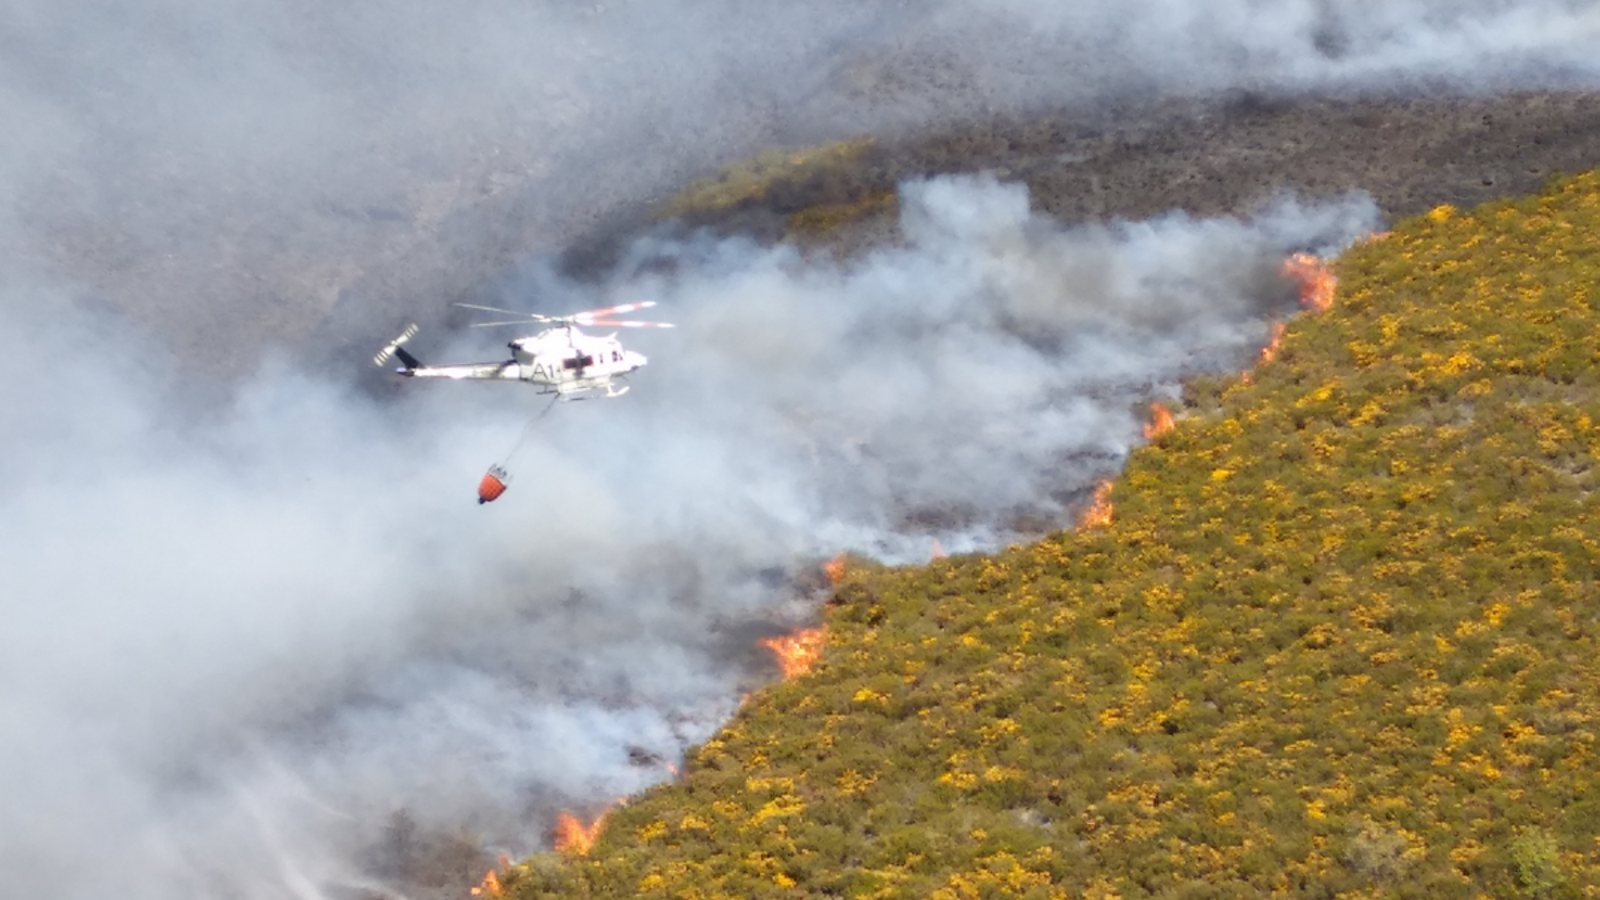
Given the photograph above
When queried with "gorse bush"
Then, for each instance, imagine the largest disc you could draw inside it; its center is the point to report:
(784, 181)
(1338, 639)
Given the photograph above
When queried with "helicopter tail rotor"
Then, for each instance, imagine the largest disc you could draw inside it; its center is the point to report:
(394, 349)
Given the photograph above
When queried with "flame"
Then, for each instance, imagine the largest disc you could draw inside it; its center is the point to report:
(1315, 279)
(799, 651)
(1160, 421)
(936, 551)
(490, 886)
(1270, 351)
(573, 837)
(1098, 515)
(834, 569)
(1317, 285)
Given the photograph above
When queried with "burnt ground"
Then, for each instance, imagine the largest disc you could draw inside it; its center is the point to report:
(1409, 154)
(1223, 156)
(332, 301)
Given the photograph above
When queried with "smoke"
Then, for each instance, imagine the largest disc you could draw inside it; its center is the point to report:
(237, 637)
(1173, 44)
(231, 175)
(235, 647)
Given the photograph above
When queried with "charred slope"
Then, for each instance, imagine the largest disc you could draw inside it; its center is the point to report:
(330, 281)
(1410, 153)
(1135, 159)
(1339, 635)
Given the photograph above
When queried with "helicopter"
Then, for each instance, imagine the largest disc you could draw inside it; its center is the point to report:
(561, 360)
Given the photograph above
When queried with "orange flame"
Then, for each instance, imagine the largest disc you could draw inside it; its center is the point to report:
(936, 551)
(1270, 351)
(1315, 279)
(490, 886)
(1160, 421)
(834, 569)
(1317, 285)
(1098, 515)
(799, 651)
(573, 837)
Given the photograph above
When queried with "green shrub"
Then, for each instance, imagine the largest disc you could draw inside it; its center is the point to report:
(1338, 635)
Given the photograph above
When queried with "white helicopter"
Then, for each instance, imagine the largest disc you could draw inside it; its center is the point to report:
(561, 360)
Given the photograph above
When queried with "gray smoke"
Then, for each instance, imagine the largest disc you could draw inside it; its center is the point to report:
(236, 637)
(235, 646)
(230, 174)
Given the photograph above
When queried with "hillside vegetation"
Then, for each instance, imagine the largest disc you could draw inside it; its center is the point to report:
(1338, 639)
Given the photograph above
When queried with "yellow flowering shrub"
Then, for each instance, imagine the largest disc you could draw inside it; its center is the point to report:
(1339, 638)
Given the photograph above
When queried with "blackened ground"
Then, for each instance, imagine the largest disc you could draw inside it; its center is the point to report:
(1410, 154)
(1129, 159)
(1222, 156)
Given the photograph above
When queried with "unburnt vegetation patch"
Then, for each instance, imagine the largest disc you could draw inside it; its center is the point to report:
(1337, 638)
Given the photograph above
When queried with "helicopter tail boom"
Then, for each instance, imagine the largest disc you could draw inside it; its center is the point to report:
(490, 371)
(413, 367)
(406, 359)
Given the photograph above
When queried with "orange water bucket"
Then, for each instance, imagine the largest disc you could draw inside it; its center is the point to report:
(493, 484)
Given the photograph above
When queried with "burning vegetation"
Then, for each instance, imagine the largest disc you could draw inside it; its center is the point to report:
(574, 838)
(1316, 285)
(1315, 279)
(834, 569)
(798, 651)
(1098, 515)
(1270, 351)
(492, 884)
(1283, 673)
(1160, 422)
(489, 886)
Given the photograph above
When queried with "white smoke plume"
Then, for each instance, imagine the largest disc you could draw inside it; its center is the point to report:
(230, 173)
(237, 636)
(234, 646)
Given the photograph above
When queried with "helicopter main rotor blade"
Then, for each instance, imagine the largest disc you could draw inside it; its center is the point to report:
(510, 312)
(587, 318)
(611, 310)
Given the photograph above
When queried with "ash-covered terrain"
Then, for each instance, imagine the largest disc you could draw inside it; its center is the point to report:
(258, 639)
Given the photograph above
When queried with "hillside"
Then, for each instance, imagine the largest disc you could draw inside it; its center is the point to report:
(1217, 156)
(1338, 638)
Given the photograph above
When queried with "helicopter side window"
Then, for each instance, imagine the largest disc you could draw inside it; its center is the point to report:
(616, 356)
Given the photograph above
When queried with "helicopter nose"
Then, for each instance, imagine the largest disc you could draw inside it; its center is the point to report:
(636, 359)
